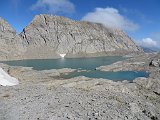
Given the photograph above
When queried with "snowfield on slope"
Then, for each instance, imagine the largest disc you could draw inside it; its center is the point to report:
(7, 80)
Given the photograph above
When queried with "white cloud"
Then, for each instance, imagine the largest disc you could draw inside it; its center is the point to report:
(54, 6)
(148, 42)
(110, 17)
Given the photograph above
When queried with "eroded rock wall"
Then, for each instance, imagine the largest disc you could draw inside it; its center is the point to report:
(49, 36)
(10, 43)
(58, 35)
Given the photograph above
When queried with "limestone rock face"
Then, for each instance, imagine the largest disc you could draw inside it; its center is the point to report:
(10, 43)
(53, 35)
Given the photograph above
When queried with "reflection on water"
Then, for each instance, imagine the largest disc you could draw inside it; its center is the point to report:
(75, 63)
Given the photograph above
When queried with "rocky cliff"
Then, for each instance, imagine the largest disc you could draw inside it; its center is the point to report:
(49, 36)
(58, 35)
(10, 43)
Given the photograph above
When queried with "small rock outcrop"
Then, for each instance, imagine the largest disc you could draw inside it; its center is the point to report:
(155, 62)
(54, 35)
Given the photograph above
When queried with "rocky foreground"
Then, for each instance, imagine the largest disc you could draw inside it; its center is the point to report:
(44, 95)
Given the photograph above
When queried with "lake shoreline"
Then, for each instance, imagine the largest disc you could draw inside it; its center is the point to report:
(80, 55)
(87, 65)
(42, 96)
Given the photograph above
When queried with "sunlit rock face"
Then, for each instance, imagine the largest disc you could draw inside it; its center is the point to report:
(49, 36)
(10, 43)
(53, 35)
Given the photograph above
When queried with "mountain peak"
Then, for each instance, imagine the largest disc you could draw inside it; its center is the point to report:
(49, 36)
(5, 26)
(60, 35)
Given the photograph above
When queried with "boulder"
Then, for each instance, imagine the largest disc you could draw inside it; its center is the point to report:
(155, 63)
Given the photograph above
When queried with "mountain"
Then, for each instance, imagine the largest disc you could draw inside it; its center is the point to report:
(10, 43)
(147, 50)
(49, 36)
(58, 35)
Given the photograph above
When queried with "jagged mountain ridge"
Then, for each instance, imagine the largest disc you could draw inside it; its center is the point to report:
(48, 36)
(10, 43)
(67, 36)
(148, 50)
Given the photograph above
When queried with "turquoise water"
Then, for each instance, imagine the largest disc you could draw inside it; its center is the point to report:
(116, 76)
(88, 64)
(75, 63)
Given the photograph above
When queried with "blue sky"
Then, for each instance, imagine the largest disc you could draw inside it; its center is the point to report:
(139, 18)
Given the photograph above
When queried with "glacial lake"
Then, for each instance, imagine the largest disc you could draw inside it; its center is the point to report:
(88, 64)
(116, 76)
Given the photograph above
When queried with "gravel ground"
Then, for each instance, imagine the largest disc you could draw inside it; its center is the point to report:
(42, 96)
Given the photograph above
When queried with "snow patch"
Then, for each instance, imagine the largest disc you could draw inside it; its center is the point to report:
(62, 55)
(7, 80)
